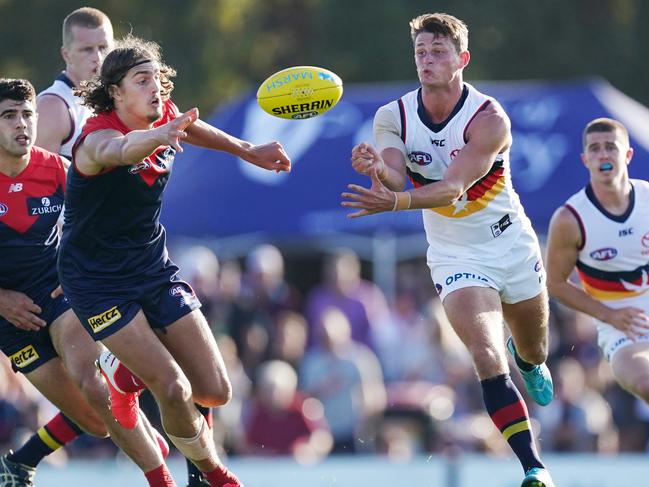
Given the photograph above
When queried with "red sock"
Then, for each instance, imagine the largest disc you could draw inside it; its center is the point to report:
(127, 380)
(221, 477)
(160, 477)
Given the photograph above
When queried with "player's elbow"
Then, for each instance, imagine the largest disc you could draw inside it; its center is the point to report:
(554, 287)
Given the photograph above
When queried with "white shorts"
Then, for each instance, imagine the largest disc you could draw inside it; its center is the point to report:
(517, 275)
(611, 340)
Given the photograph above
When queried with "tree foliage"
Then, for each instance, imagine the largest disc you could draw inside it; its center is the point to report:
(224, 47)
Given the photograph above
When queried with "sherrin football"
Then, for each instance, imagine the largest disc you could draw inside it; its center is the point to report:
(300, 92)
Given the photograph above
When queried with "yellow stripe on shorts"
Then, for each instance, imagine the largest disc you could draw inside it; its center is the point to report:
(516, 428)
(48, 439)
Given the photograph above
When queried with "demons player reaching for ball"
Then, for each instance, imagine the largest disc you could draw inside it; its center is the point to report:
(114, 266)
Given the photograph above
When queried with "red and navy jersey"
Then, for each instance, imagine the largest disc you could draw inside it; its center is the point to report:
(112, 224)
(30, 205)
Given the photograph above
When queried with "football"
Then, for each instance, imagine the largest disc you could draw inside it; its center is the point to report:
(300, 92)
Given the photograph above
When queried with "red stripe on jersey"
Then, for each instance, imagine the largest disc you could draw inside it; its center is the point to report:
(476, 191)
(614, 284)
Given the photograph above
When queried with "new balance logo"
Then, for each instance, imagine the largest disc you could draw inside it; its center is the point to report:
(15, 187)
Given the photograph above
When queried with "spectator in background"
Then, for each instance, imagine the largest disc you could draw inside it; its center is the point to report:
(289, 344)
(282, 421)
(579, 418)
(361, 301)
(346, 376)
(264, 294)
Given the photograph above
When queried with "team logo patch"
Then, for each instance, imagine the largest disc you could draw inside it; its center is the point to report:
(24, 357)
(184, 292)
(3, 209)
(645, 237)
(44, 205)
(606, 253)
(104, 320)
(420, 158)
(500, 226)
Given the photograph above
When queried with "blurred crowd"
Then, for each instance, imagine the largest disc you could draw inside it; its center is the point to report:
(337, 369)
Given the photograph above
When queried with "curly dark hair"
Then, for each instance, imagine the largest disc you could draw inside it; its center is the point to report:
(16, 89)
(128, 53)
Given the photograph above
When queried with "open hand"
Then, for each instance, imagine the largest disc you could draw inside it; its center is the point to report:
(369, 201)
(171, 133)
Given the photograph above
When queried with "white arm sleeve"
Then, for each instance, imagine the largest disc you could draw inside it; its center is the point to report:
(387, 130)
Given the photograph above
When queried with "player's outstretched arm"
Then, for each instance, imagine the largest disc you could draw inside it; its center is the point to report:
(271, 156)
(108, 148)
(19, 310)
(564, 240)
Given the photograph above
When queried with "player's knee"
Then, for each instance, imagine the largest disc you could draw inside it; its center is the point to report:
(177, 390)
(215, 395)
(488, 360)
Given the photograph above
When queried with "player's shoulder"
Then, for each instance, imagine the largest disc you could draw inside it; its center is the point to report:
(640, 184)
(44, 158)
(566, 218)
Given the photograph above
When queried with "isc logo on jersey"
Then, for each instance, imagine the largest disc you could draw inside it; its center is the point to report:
(24, 357)
(105, 319)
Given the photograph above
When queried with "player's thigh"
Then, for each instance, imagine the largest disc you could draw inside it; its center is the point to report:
(630, 365)
(476, 316)
(193, 346)
(139, 349)
(75, 347)
(54, 382)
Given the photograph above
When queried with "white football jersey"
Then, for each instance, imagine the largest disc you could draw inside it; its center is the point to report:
(62, 88)
(613, 263)
(486, 221)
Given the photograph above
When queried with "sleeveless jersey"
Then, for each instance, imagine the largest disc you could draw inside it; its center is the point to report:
(30, 205)
(111, 227)
(613, 262)
(485, 222)
(63, 89)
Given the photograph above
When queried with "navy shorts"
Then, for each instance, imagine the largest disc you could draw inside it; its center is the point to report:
(28, 350)
(108, 307)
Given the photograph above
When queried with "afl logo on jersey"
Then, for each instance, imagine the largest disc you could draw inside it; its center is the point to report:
(3, 209)
(606, 253)
(420, 158)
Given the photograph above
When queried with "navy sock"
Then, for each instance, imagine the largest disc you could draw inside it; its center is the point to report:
(60, 431)
(509, 413)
